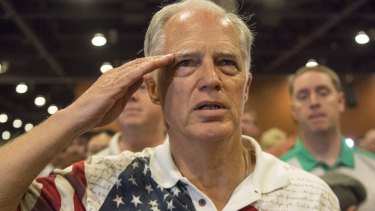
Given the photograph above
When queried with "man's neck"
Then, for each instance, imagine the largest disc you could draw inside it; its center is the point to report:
(324, 146)
(212, 171)
(136, 140)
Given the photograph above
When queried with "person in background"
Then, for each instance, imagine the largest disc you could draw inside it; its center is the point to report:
(368, 141)
(317, 101)
(99, 140)
(141, 125)
(74, 152)
(249, 124)
(350, 192)
(280, 149)
(200, 55)
(272, 137)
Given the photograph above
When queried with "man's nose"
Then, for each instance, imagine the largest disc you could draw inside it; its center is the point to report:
(209, 76)
(314, 100)
(135, 96)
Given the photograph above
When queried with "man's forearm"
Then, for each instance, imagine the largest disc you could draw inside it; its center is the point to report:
(23, 159)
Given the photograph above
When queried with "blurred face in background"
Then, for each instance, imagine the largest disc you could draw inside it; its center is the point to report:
(368, 141)
(249, 125)
(75, 152)
(140, 110)
(316, 104)
(98, 143)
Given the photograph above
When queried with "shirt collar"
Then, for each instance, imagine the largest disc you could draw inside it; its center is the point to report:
(114, 145)
(268, 168)
(166, 174)
(163, 169)
(308, 162)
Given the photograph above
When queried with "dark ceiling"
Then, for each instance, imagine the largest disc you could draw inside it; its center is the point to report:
(46, 43)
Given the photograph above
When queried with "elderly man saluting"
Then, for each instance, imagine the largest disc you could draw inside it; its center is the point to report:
(200, 55)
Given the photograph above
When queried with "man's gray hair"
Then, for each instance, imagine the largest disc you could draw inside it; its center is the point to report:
(155, 37)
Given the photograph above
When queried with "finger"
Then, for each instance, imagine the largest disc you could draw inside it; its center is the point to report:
(145, 66)
(138, 61)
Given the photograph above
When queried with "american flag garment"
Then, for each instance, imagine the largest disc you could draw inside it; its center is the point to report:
(136, 190)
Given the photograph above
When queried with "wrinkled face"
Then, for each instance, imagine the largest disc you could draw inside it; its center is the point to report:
(203, 93)
(249, 125)
(316, 104)
(139, 110)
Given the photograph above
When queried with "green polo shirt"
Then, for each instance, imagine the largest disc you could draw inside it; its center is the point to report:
(354, 162)
(308, 162)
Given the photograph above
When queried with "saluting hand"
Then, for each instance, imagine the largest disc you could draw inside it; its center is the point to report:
(107, 97)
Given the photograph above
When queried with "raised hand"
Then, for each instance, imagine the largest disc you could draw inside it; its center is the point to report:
(107, 97)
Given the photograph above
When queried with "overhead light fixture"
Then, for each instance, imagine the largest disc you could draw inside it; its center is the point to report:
(52, 109)
(362, 38)
(21, 88)
(105, 67)
(99, 39)
(311, 63)
(5, 135)
(40, 101)
(3, 67)
(28, 127)
(17, 123)
(3, 118)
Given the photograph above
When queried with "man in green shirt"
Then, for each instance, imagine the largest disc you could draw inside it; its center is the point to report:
(317, 101)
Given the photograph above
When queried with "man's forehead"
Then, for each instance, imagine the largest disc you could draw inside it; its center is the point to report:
(312, 79)
(198, 16)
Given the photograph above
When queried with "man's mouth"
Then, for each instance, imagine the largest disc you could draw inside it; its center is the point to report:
(316, 116)
(210, 106)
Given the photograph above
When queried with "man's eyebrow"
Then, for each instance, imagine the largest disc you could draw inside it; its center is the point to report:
(303, 90)
(187, 54)
(226, 54)
(322, 87)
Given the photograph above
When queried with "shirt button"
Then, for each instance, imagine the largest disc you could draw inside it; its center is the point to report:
(202, 202)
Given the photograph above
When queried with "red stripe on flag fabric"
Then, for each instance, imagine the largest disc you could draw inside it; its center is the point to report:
(77, 179)
(249, 208)
(49, 198)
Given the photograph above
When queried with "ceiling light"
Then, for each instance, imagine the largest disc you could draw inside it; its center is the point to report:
(99, 39)
(21, 88)
(28, 126)
(362, 38)
(17, 123)
(311, 63)
(40, 101)
(5, 135)
(349, 142)
(52, 109)
(105, 67)
(3, 118)
(3, 67)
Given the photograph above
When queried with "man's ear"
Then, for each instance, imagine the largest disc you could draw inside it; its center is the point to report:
(247, 86)
(341, 101)
(152, 89)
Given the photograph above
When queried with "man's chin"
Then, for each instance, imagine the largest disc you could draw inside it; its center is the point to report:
(320, 129)
(212, 131)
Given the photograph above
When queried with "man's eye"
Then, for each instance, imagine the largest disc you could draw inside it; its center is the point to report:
(302, 96)
(227, 62)
(185, 63)
(323, 92)
(185, 67)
